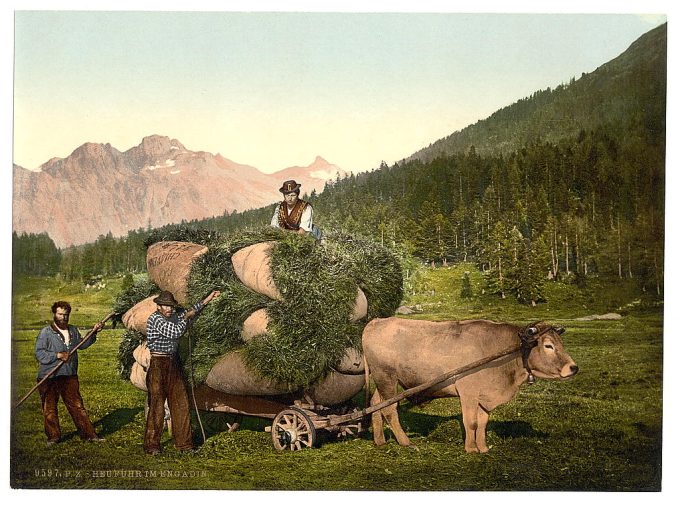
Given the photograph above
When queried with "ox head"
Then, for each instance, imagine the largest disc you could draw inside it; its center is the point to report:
(544, 353)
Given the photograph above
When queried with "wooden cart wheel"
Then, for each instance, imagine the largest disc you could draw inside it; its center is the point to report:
(292, 429)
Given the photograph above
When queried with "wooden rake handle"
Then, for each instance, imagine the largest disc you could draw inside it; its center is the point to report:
(56, 368)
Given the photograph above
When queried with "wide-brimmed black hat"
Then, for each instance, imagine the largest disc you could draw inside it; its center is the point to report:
(166, 299)
(289, 186)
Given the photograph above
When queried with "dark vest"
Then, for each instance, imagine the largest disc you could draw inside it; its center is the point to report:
(291, 221)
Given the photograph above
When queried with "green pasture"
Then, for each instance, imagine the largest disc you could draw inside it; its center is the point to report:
(600, 431)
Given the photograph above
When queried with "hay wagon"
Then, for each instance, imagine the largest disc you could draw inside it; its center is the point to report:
(295, 423)
(295, 426)
(254, 271)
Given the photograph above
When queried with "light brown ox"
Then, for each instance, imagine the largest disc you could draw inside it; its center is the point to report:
(412, 352)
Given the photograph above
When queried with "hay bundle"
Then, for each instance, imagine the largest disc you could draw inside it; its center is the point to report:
(142, 357)
(168, 264)
(126, 299)
(328, 291)
(138, 376)
(255, 325)
(232, 375)
(352, 362)
(252, 266)
(335, 389)
(135, 318)
(360, 309)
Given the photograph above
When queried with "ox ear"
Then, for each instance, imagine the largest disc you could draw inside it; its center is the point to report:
(560, 330)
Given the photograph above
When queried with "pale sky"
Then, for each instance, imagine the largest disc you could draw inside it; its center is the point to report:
(274, 90)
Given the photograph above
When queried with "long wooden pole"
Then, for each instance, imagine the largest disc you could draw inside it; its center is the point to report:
(56, 368)
(454, 374)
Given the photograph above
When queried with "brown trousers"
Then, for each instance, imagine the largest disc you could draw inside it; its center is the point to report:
(68, 387)
(164, 380)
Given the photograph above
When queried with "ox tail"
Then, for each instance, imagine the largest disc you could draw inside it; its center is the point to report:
(367, 389)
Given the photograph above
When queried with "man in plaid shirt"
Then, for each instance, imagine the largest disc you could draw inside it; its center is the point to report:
(164, 378)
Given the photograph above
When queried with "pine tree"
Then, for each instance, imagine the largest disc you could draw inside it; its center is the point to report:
(529, 272)
(466, 290)
(500, 260)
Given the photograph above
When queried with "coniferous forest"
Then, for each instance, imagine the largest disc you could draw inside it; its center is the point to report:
(561, 186)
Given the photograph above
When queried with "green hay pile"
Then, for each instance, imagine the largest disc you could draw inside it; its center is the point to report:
(140, 290)
(131, 339)
(376, 269)
(309, 330)
(124, 301)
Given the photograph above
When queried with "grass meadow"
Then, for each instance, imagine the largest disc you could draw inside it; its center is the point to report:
(600, 431)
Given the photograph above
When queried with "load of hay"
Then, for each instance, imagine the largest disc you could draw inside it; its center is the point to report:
(290, 315)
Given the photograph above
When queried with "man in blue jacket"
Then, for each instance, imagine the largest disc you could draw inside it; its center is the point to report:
(54, 344)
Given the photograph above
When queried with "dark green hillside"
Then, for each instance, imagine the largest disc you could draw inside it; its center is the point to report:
(626, 93)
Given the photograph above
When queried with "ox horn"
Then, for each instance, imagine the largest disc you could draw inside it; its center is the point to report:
(560, 330)
(531, 331)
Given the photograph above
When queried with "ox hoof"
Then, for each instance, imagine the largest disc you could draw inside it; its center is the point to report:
(471, 450)
(413, 447)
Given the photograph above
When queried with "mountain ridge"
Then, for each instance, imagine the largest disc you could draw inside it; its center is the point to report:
(98, 189)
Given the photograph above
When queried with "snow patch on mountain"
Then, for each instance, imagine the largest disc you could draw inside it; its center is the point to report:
(168, 163)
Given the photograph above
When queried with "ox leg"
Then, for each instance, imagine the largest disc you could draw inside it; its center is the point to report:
(480, 437)
(470, 409)
(392, 417)
(388, 390)
(377, 421)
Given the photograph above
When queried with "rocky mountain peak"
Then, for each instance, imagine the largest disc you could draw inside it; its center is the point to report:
(88, 155)
(91, 149)
(159, 145)
(153, 149)
(154, 183)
